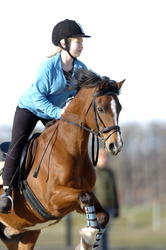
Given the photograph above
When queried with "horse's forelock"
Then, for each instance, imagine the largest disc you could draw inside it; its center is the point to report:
(107, 87)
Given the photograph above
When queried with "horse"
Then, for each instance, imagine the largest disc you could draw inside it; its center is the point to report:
(58, 176)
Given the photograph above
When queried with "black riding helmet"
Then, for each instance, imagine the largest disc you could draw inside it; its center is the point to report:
(65, 29)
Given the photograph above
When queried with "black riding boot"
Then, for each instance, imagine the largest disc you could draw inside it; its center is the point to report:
(6, 201)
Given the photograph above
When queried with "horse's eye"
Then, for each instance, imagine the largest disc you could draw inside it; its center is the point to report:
(100, 109)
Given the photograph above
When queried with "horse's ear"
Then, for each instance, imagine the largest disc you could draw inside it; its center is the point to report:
(119, 84)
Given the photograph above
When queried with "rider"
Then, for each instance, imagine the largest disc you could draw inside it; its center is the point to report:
(45, 99)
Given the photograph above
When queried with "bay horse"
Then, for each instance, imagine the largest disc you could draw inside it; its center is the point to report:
(62, 177)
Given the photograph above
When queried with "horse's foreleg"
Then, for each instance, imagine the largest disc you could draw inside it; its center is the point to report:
(63, 200)
(88, 238)
(102, 218)
(96, 216)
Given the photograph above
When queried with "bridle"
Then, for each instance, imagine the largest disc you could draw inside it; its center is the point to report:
(97, 133)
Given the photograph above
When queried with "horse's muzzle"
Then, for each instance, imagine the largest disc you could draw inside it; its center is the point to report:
(114, 147)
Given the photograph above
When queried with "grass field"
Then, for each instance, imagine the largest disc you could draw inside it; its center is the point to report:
(139, 227)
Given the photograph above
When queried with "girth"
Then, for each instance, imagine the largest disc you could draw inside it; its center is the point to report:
(35, 203)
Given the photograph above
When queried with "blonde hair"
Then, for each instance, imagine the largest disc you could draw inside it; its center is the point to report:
(57, 50)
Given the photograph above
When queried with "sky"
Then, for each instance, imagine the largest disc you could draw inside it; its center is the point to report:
(128, 41)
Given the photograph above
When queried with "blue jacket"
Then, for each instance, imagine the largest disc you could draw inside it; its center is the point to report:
(48, 94)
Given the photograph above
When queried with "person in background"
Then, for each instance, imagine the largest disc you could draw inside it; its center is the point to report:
(45, 99)
(106, 191)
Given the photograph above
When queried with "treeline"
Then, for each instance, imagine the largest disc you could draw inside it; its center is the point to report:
(140, 168)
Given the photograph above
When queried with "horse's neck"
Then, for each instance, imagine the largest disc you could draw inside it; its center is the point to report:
(73, 135)
(63, 134)
(67, 134)
(76, 112)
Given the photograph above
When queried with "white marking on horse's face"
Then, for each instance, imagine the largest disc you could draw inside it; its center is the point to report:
(114, 111)
(118, 145)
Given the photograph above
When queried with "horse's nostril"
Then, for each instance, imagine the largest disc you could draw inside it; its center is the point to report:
(111, 146)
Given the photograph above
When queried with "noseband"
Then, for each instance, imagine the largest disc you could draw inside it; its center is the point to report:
(96, 133)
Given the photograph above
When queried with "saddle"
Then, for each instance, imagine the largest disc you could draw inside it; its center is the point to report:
(27, 156)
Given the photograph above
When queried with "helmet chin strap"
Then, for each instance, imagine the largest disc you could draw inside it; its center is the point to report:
(71, 55)
(67, 48)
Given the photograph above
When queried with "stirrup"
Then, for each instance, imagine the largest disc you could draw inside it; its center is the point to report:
(6, 194)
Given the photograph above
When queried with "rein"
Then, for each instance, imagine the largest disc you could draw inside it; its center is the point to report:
(95, 133)
(95, 136)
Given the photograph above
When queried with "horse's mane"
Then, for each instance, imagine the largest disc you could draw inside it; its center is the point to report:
(89, 79)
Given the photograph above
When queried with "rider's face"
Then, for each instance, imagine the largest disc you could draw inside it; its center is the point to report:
(76, 46)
